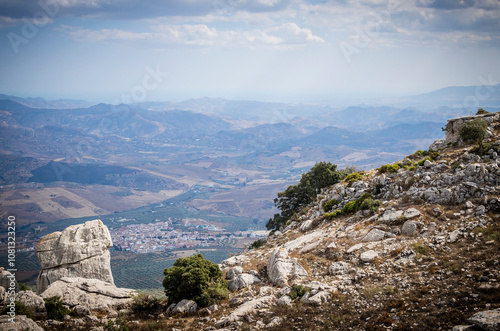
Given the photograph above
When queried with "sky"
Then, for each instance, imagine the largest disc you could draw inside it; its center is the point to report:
(116, 51)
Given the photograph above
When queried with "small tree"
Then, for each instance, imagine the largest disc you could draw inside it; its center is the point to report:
(481, 111)
(474, 131)
(195, 278)
(295, 197)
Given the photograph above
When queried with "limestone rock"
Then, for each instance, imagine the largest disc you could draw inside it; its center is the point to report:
(409, 228)
(93, 294)
(274, 322)
(245, 309)
(306, 225)
(280, 268)
(411, 213)
(32, 301)
(80, 310)
(285, 300)
(374, 235)
(235, 271)
(242, 281)
(391, 216)
(368, 256)
(488, 320)
(316, 299)
(21, 322)
(78, 251)
(7, 280)
(185, 306)
(339, 268)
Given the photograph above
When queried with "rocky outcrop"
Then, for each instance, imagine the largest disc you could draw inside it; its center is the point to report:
(21, 322)
(8, 281)
(33, 302)
(91, 293)
(280, 268)
(79, 251)
(245, 309)
(487, 320)
(453, 126)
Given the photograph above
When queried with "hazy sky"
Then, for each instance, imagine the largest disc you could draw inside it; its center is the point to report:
(282, 50)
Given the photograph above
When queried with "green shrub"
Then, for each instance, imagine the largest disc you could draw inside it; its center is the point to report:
(20, 309)
(393, 167)
(195, 278)
(23, 287)
(389, 168)
(298, 291)
(55, 308)
(355, 205)
(421, 153)
(481, 111)
(370, 204)
(421, 249)
(484, 148)
(421, 162)
(143, 304)
(328, 205)
(117, 325)
(350, 207)
(473, 132)
(412, 168)
(354, 177)
(434, 155)
(332, 215)
(296, 197)
(258, 243)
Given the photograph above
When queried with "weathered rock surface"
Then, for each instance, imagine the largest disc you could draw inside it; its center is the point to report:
(93, 294)
(20, 323)
(245, 309)
(78, 251)
(7, 280)
(488, 320)
(185, 306)
(241, 281)
(32, 301)
(280, 268)
(368, 256)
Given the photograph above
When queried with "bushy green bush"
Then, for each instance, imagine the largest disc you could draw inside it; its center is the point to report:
(20, 309)
(55, 308)
(474, 131)
(328, 205)
(354, 177)
(195, 278)
(295, 197)
(258, 243)
(370, 204)
(421, 162)
(350, 207)
(298, 291)
(484, 148)
(481, 111)
(421, 153)
(23, 287)
(143, 304)
(332, 215)
(389, 168)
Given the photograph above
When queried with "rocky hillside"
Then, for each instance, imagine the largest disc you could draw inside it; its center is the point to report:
(412, 245)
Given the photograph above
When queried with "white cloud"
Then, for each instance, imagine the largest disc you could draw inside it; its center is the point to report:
(202, 35)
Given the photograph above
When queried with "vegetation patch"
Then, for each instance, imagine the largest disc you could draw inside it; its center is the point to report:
(195, 278)
(332, 215)
(391, 168)
(258, 243)
(328, 205)
(144, 304)
(352, 178)
(55, 308)
(298, 291)
(296, 197)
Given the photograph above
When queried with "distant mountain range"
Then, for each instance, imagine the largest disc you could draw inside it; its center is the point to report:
(226, 156)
